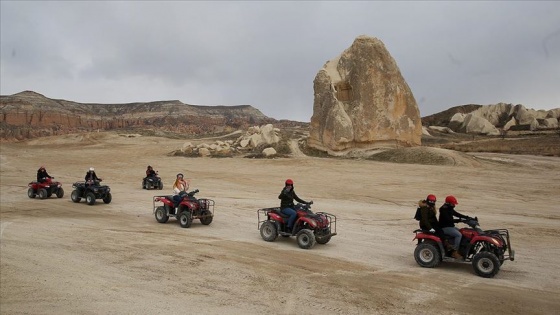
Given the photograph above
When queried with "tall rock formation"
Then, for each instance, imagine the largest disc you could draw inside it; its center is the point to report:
(363, 102)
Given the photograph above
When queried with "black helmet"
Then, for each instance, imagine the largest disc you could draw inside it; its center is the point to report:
(180, 174)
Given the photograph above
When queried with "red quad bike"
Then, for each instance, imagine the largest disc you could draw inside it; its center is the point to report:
(189, 208)
(309, 228)
(486, 250)
(45, 189)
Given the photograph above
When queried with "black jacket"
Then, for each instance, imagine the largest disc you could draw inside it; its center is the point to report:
(446, 214)
(287, 198)
(91, 176)
(428, 219)
(42, 174)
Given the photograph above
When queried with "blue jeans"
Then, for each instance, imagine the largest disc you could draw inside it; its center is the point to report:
(292, 213)
(453, 232)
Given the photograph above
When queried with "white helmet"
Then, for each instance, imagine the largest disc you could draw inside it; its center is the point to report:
(91, 169)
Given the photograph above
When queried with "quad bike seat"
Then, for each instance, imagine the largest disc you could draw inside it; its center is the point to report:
(279, 212)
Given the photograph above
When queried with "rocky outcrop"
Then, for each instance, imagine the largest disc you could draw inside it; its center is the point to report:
(254, 138)
(29, 115)
(362, 102)
(490, 119)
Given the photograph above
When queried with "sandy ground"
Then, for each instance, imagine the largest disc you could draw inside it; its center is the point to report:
(59, 257)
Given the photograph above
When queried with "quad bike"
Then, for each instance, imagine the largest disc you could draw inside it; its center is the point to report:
(486, 250)
(309, 228)
(188, 209)
(45, 189)
(91, 191)
(152, 182)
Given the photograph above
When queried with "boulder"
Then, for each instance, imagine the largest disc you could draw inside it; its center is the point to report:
(478, 125)
(269, 152)
(550, 123)
(362, 101)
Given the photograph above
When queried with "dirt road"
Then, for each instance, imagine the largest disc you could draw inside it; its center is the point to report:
(59, 257)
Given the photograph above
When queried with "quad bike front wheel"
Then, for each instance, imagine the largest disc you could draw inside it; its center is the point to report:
(161, 215)
(207, 218)
(486, 264)
(160, 186)
(31, 193)
(75, 196)
(108, 198)
(323, 238)
(185, 219)
(269, 232)
(42, 193)
(305, 239)
(427, 255)
(60, 193)
(90, 198)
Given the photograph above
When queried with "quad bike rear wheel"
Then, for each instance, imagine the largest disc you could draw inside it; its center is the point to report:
(42, 193)
(305, 239)
(31, 193)
(160, 186)
(427, 255)
(161, 215)
(90, 198)
(75, 196)
(486, 264)
(60, 193)
(185, 219)
(269, 232)
(108, 198)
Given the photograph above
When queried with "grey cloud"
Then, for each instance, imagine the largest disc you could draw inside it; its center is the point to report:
(267, 54)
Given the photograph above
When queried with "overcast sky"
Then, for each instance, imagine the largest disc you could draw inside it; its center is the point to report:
(266, 54)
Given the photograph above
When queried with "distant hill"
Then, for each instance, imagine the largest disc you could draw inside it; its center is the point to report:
(29, 114)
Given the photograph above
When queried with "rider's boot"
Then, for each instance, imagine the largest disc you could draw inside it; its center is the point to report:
(455, 254)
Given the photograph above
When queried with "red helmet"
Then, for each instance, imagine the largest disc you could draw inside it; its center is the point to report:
(452, 200)
(431, 200)
(289, 182)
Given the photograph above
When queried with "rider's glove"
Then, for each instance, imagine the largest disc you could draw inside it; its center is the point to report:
(432, 230)
(310, 202)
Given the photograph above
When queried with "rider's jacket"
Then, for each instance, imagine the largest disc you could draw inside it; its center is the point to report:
(428, 218)
(287, 198)
(446, 214)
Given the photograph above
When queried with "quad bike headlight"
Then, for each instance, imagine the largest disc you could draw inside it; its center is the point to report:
(496, 242)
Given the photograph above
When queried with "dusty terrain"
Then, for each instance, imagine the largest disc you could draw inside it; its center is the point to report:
(58, 257)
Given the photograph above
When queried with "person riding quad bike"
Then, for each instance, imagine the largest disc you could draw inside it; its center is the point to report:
(42, 175)
(152, 180)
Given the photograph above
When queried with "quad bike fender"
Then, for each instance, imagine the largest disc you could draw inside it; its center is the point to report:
(423, 237)
(490, 240)
(275, 217)
(310, 221)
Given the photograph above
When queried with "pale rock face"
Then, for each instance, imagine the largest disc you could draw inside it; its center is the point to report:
(362, 101)
(269, 152)
(425, 131)
(553, 113)
(510, 123)
(456, 121)
(550, 123)
(478, 125)
(203, 152)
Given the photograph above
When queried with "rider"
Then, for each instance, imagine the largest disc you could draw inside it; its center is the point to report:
(179, 189)
(287, 197)
(42, 175)
(91, 177)
(428, 219)
(447, 222)
(149, 173)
